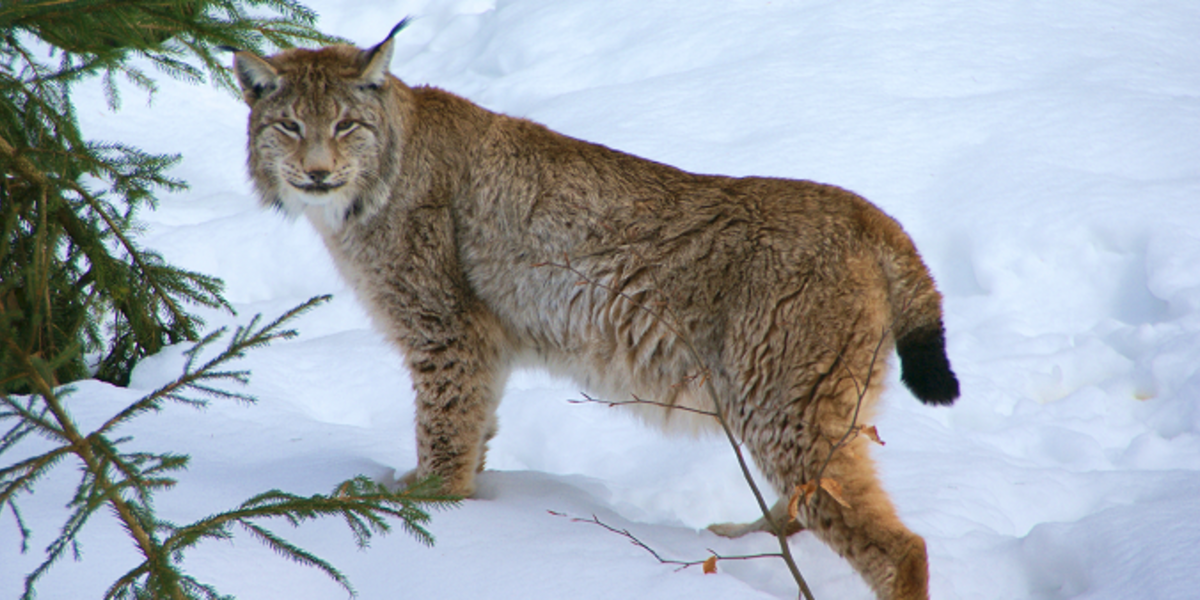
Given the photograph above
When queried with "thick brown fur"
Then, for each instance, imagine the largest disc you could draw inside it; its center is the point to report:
(467, 234)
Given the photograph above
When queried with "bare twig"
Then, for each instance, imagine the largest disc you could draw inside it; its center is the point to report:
(683, 564)
(639, 401)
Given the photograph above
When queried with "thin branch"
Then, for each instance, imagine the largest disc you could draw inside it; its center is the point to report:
(639, 401)
(683, 564)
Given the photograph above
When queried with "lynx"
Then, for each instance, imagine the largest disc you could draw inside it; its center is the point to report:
(481, 242)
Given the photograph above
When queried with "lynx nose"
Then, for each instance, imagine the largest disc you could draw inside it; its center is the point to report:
(318, 176)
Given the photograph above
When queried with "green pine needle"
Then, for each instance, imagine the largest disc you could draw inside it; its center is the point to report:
(126, 482)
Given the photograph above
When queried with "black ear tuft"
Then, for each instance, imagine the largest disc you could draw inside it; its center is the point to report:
(376, 60)
(399, 27)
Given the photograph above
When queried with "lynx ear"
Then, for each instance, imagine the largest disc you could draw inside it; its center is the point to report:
(256, 76)
(377, 59)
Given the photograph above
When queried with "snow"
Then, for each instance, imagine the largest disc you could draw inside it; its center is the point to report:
(1043, 156)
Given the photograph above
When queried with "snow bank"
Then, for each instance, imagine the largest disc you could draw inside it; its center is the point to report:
(1043, 157)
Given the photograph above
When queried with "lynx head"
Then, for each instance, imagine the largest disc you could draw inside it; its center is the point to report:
(325, 137)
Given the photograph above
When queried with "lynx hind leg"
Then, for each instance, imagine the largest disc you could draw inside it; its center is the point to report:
(865, 530)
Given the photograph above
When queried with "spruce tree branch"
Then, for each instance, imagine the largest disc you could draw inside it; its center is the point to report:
(362, 502)
(141, 472)
(27, 415)
(296, 554)
(127, 580)
(170, 390)
(135, 255)
(134, 476)
(295, 509)
(41, 75)
(74, 8)
(19, 476)
(41, 281)
(21, 429)
(22, 164)
(243, 339)
(82, 447)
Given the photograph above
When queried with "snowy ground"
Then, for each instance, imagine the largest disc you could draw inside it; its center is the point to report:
(1044, 156)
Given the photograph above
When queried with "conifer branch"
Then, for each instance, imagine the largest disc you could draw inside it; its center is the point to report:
(135, 256)
(96, 474)
(127, 482)
(195, 379)
(21, 164)
(297, 554)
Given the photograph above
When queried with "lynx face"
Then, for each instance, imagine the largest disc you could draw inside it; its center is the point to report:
(316, 153)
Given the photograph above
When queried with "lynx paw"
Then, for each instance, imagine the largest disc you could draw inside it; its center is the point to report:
(463, 487)
(733, 530)
(736, 530)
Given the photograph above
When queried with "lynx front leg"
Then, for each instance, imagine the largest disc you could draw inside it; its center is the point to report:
(458, 381)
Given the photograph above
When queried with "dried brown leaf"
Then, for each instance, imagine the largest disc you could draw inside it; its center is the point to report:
(834, 489)
(710, 565)
(794, 504)
(872, 433)
(806, 491)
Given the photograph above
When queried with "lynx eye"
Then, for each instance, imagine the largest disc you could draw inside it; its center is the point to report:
(344, 126)
(289, 126)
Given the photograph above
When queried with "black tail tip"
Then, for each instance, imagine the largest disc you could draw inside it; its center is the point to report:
(924, 367)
